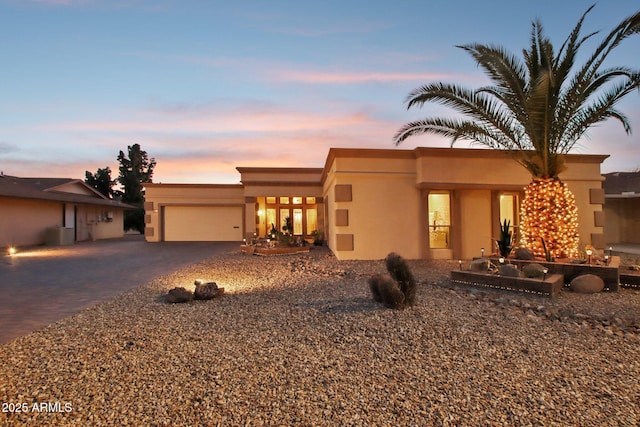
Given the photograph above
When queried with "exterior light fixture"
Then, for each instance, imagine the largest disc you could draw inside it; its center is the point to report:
(606, 259)
(501, 260)
(610, 250)
(544, 273)
(482, 252)
(589, 252)
(12, 250)
(460, 264)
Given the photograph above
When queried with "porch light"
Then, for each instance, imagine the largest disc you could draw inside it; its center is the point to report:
(260, 212)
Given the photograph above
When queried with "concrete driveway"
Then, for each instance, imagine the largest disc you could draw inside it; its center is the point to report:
(45, 284)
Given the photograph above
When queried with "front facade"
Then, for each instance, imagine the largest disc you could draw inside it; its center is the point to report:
(421, 203)
(35, 211)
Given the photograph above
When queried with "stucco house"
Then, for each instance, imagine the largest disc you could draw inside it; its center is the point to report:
(35, 211)
(421, 203)
(622, 207)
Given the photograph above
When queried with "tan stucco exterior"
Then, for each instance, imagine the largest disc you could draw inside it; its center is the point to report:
(370, 202)
(26, 218)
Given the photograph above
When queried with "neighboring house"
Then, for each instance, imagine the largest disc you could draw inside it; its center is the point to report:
(421, 203)
(35, 211)
(622, 207)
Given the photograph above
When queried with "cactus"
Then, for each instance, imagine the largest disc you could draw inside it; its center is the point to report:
(385, 290)
(399, 270)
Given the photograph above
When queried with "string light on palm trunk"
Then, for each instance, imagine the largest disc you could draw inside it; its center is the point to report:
(549, 211)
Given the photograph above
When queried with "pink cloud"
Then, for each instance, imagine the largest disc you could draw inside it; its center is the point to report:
(354, 77)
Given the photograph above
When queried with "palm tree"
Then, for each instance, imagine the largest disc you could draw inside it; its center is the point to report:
(537, 108)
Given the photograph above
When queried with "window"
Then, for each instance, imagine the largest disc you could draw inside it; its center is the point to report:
(439, 220)
(508, 208)
(312, 220)
(301, 210)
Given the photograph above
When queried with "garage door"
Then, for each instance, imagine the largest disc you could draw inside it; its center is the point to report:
(202, 223)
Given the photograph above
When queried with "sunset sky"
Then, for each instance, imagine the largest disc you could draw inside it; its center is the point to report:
(205, 86)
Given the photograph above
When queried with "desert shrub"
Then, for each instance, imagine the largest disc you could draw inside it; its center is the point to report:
(400, 272)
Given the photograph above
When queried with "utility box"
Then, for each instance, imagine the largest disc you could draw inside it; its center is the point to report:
(59, 236)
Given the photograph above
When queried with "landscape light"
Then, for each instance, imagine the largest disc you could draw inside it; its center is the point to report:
(589, 252)
(606, 259)
(12, 250)
(460, 264)
(501, 259)
(544, 273)
(482, 252)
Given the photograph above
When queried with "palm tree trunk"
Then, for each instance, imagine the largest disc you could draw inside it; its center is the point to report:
(549, 211)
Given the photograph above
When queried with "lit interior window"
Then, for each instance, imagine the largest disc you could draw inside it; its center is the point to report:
(439, 220)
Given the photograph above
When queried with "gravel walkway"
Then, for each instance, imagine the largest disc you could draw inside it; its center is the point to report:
(297, 340)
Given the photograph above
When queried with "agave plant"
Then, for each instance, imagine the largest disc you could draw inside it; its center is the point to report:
(537, 108)
(504, 243)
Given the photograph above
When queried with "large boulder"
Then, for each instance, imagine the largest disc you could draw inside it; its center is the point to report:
(480, 264)
(587, 284)
(206, 291)
(533, 271)
(524, 254)
(177, 295)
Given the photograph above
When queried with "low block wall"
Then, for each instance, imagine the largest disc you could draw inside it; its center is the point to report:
(610, 274)
(550, 286)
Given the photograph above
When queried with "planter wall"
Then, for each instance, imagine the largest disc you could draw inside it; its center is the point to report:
(550, 287)
(609, 274)
(630, 281)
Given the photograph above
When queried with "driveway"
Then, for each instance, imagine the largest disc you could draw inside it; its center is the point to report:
(45, 284)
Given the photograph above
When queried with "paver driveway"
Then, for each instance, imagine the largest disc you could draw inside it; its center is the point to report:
(46, 284)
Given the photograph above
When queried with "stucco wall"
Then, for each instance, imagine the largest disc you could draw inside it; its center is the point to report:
(384, 209)
(622, 220)
(387, 185)
(23, 222)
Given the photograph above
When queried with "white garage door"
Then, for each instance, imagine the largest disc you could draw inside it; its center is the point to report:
(202, 223)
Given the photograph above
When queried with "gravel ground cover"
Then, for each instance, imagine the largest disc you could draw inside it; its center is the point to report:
(298, 340)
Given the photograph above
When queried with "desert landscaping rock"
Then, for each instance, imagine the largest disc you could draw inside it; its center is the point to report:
(481, 265)
(509, 270)
(533, 271)
(207, 291)
(178, 295)
(524, 254)
(587, 284)
(304, 343)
